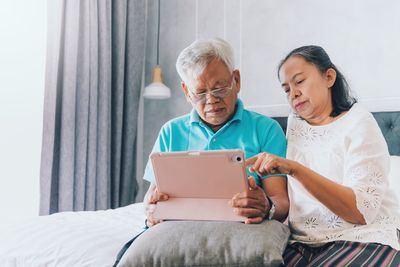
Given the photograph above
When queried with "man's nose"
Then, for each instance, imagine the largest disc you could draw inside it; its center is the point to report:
(210, 98)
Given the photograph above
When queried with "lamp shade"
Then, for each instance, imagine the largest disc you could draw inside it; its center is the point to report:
(157, 89)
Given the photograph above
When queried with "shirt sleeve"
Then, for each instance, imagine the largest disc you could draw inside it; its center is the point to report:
(162, 144)
(275, 141)
(366, 167)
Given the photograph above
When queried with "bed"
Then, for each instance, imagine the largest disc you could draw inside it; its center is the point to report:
(93, 238)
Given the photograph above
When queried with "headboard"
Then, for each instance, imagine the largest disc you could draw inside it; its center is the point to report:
(389, 122)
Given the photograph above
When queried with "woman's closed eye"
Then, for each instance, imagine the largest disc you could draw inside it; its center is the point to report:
(286, 90)
(300, 81)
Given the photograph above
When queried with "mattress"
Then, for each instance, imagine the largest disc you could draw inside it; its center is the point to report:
(87, 238)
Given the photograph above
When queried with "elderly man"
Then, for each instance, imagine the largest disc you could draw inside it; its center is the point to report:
(219, 121)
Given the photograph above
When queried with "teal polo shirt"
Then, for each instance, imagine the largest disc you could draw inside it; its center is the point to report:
(246, 130)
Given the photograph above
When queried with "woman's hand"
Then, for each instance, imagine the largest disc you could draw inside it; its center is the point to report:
(150, 202)
(252, 203)
(268, 164)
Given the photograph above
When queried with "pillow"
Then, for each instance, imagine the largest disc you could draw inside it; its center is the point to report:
(209, 243)
(394, 174)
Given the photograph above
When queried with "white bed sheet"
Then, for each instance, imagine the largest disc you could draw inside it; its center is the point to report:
(88, 238)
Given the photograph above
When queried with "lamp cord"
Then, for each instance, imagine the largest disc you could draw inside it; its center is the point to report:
(158, 35)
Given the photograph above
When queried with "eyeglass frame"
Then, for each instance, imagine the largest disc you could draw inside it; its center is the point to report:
(212, 92)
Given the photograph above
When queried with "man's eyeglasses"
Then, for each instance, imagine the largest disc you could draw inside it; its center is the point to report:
(220, 93)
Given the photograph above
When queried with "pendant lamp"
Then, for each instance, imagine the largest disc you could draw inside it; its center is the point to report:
(157, 89)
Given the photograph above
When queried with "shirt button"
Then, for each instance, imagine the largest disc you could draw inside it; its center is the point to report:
(214, 140)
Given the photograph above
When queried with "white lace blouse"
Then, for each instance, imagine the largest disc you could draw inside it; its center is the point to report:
(350, 151)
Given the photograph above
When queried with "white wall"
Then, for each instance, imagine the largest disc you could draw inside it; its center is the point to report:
(362, 38)
(22, 69)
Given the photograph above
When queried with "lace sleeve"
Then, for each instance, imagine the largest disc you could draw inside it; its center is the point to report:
(366, 167)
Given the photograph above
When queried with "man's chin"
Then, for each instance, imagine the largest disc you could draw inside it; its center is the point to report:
(217, 122)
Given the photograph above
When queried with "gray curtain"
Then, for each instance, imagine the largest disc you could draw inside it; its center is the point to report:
(94, 73)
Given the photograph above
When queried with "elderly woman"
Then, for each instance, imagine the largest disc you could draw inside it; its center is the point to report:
(342, 211)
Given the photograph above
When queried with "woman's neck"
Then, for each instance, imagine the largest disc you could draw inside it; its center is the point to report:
(324, 119)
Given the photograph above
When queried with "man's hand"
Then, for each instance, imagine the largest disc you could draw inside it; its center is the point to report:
(252, 203)
(150, 201)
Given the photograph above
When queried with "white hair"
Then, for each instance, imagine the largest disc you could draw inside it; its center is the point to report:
(194, 59)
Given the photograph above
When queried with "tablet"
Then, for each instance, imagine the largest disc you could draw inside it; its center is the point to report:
(199, 184)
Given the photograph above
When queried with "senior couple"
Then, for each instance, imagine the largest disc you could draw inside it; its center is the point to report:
(335, 158)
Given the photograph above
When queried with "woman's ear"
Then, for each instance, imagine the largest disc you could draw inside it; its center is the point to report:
(330, 77)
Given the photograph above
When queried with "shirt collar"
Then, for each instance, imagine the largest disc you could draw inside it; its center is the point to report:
(195, 118)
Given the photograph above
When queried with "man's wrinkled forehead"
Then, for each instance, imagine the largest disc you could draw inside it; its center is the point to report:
(194, 73)
(196, 79)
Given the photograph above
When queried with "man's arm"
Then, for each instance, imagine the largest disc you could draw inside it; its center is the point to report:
(275, 188)
(254, 203)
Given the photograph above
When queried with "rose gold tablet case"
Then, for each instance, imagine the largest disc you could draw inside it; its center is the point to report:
(199, 184)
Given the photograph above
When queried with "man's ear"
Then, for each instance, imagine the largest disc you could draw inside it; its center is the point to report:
(330, 77)
(185, 90)
(236, 77)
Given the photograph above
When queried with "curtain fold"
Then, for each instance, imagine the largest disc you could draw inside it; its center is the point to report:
(93, 82)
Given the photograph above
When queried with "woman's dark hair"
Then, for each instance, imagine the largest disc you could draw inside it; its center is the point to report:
(342, 100)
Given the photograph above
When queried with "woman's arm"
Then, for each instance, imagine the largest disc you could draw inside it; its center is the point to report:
(340, 199)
